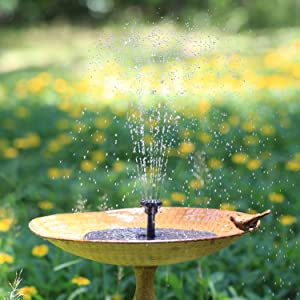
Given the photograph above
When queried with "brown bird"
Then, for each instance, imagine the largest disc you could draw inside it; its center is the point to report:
(249, 224)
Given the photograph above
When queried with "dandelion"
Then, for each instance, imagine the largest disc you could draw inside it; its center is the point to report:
(178, 197)
(148, 139)
(234, 120)
(38, 83)
(80, 281)
(40, 250)
(60, 85)
(204, 137)
(287, 220)
(293, 165)
(54, 173)
(196, 184)
(186, 148)
(268, 130)
(227, 206)
(239, 158)
(118, 166)
(5, 224)
(6, 258)
(215, 163)
(249, 126)
(276, 197)
(10, 153)
(166, 202)
(87, 166)
(98, 156)
(27, 292)
(98, 137)
(45, 205)
(32, 140)
(253, 164)
(203, 107)
(224, 128)
(102, 123)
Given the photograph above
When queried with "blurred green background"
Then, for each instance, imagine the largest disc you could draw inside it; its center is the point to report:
(243, 14)
(70, 74)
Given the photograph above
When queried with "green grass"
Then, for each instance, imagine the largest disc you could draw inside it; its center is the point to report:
(40, 133)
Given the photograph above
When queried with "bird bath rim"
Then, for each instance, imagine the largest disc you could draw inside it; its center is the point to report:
(239, 231)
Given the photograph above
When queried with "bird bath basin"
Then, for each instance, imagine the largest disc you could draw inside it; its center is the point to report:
(67, 232)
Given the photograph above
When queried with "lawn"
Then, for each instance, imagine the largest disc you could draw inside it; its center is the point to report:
(65, 145)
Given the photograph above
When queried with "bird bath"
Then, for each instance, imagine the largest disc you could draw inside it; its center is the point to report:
(67, 231)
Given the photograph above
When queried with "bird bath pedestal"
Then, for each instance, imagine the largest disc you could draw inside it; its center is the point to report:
(67, 232)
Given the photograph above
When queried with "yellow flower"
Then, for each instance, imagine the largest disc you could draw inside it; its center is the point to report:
(215, 163)
(224, 128)
(116, 297)
(268, 130)
(66, 172)
(98, 138)
(204, 137)
(32, 140)
(98, 156)
(178, 197)
(287, 220)
(276, 197)
(203, 107)
(80, 281)
(40, 250)
(21, 89)
(293, 165)
(186, 147)
(273, 59)
(253, 164)
(166, 202)
(60, 85)
(5, 224)
(234, 120)
(87, 166)
(196, 184)
(27, 292)
(38, 83)
(10, 153)
(227, 206)
(45, 205)
(102, 122)
(54, 173)
(118, 166)
(239, 158)
(6, 258)
(249, 126)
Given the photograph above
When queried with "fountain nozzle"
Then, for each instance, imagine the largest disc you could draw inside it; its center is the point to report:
(151, 208)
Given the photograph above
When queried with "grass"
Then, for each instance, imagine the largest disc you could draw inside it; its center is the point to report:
(242, 143)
